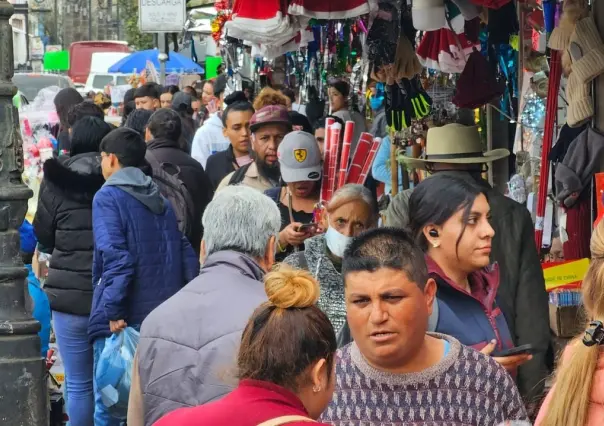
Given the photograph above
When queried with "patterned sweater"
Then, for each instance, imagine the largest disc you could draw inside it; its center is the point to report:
(465, 388)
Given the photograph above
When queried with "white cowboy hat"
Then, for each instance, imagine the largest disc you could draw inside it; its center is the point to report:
(455, 144)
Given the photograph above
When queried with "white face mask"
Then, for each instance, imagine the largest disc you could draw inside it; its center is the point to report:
(336, 242)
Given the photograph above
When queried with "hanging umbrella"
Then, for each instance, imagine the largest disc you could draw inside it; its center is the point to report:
(137, 61)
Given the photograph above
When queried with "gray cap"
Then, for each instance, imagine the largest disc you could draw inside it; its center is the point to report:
(299, 157)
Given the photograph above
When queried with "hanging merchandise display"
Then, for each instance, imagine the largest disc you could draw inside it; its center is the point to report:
(265, 22)
(331, 9)
(445, 51)
(587, 57)
(389, 49)
(477, 84)
(572, 12)
(433, 15)
(405, 101)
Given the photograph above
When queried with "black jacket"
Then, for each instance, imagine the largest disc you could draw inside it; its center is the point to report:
(192, 175)
(63, 225)
(220, 165)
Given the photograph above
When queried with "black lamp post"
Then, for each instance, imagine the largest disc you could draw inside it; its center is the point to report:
(23, 394)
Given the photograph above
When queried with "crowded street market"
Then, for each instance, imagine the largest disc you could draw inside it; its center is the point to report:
(282, 212)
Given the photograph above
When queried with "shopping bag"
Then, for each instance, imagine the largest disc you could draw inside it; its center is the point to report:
(114, 371)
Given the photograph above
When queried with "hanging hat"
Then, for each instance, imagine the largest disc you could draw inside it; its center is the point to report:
(477, 84)
(455, 144)
(586, 50)
(428, 15)
(433, 15)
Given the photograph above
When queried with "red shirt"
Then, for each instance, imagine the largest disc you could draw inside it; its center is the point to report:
(252, 403)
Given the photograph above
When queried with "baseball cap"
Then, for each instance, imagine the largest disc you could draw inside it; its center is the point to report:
(271, 114)
(182, 102)
(299, 157)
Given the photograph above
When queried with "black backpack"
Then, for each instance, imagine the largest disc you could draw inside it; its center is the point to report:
(166, 177)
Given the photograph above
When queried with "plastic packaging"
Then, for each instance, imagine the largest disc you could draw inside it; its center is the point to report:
(114, 371)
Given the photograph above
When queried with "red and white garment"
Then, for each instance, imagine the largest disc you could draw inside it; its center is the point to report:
(445, 51)
(331, 9)
(263, 21)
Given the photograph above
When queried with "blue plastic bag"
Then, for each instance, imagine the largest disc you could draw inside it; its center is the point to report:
(114, 371)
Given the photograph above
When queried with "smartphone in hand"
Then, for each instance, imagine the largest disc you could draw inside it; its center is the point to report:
(518, 350)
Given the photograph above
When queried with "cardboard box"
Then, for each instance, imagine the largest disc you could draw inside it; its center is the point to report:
(567, 321)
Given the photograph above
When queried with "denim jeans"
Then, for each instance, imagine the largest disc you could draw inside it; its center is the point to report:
(101, 416)
(76, 353)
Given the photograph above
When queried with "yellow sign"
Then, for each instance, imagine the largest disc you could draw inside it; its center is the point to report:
(565, 274)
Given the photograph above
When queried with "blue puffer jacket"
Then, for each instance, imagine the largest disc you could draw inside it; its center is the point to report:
(473, 319)
(140, 257)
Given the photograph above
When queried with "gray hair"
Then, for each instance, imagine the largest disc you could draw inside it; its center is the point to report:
(242, 219)
(353, 192)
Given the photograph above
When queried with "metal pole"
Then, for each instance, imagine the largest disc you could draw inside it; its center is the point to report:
(161, 38)
(117, 18)
(23, 393)
(89, 19)
(56, 34)
(393, 164)
(489, 113)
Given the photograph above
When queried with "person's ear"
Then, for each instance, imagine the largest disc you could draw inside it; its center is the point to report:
(430, 294)
(324, 219)
(224, 132)
(432, 233)
(113, 161)
(269, 254)
(319, 376)
(148, 135)
(202, 252)
(156, 103)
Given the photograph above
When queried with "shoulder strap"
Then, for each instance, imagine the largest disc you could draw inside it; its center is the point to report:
(239, 175)
(285, 420)
(302, 262)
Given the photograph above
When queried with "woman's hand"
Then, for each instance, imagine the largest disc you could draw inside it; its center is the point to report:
(290, 236)
(510, 363)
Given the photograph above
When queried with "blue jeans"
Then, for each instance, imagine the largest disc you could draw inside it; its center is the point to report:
(101, 416)
(76, 353)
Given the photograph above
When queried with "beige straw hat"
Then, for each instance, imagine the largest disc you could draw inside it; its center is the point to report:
(456, 144)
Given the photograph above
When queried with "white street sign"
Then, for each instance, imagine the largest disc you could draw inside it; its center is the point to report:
(161, 16)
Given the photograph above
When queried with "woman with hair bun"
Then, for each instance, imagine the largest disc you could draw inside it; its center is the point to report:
(285, 362)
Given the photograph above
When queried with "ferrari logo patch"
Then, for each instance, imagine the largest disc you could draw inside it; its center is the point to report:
(300, 155)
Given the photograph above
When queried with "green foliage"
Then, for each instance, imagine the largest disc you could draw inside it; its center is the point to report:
(136, 39)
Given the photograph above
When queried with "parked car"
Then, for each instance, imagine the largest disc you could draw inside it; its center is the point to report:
(29, 84)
